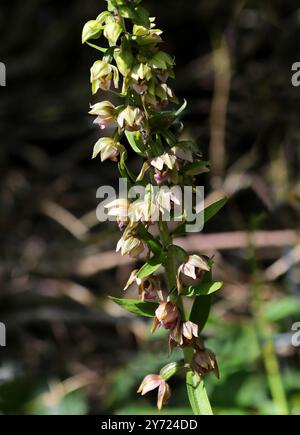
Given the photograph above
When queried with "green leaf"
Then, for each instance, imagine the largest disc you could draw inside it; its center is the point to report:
(161, 121)
(141, 17)
(151, 266)
(124, 171)
(197, 395)
(103, 50)
(151, 241)
(201, 306)
(146, 309)
(195, 168)
(179, 253)
(283, 308)
(136, 142)
(209, 212)
(200, 311)
(126, 12)
(204, 289)
(124, 60)
(213, 209)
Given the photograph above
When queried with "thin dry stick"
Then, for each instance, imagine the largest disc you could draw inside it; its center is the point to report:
(65, 219)
(283, 265)
(222, 73)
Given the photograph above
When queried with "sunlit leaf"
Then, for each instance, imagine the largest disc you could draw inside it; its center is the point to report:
(197, 395)
(203, 289)
(146, 309)
(151, 266)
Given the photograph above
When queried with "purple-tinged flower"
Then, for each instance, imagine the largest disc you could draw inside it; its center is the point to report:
(131, 118)
(151, 382)
(166, 315)
(106, 114)
(204, 361)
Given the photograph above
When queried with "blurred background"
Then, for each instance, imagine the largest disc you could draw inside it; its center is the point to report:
(69, 350)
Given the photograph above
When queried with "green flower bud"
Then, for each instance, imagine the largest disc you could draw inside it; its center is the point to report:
(101, 76)
(171, 369)
(145, 36)
(112, 32)
(91, 30)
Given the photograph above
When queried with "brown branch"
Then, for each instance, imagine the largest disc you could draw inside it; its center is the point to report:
(199, 243)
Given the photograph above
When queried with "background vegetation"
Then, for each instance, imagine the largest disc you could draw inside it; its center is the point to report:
(70, 350)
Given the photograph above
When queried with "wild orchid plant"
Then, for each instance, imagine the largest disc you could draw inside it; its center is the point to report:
(136, 70)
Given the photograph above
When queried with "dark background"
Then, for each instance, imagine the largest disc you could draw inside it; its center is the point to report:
(69, 350)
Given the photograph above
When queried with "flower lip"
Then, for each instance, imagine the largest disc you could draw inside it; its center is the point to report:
(194, 267)
(131, 118)
(151, 382)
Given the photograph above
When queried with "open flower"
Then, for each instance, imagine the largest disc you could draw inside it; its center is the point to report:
(192, 271)
(166, 198)
(132, 246)
(131, 118)
(183, 151)
(101, 76)
(163, 165)
(106, 113)
(165, 160)
(118, 208)
(204, 361)
(140, 75)
(151, 382)
(130, 243)
(166, 315)
(184, 332)
(143, 210)
(149, 288)
(107, 148)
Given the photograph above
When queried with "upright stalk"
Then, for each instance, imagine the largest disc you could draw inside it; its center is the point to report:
(138, 69)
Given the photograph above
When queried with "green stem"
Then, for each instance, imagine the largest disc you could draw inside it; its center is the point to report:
(196, 390)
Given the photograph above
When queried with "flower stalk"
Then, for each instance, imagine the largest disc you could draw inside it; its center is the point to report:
(134, 68)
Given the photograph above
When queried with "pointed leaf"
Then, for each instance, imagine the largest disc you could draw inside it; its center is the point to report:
(151, 241)
(195, 168)
(151, 266)
(135, 141)
(200, 311)
(213, 209)
(146, 309)
(197, 395)
(209, 212)
(204, 289)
